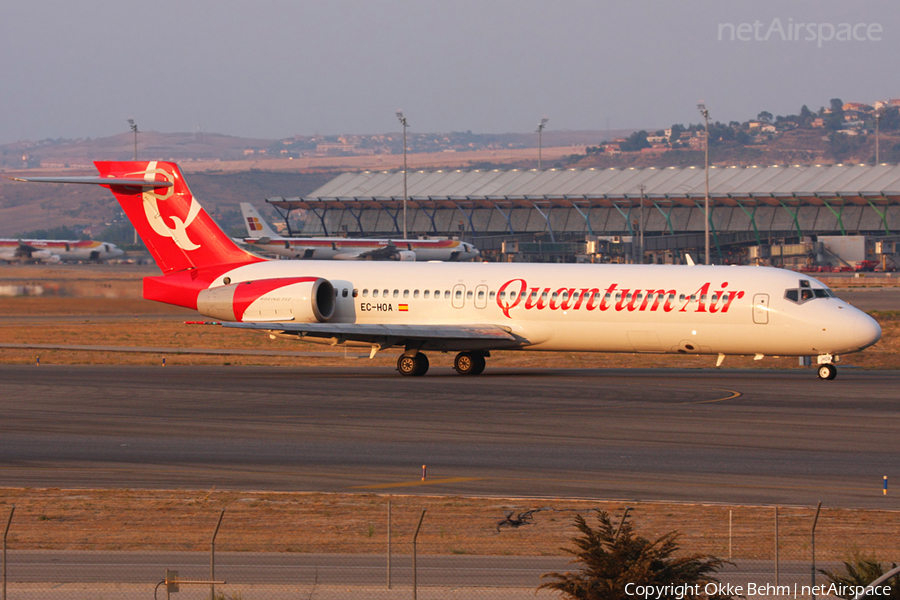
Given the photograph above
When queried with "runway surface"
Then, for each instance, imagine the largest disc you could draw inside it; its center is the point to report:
(732, 436)
(687, 435)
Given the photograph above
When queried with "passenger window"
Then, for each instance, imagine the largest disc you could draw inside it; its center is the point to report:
(415, 293)
(427, 294)
(481, 295)
(355, 292)
(344, 293)
(384, 293)
(458, 294)
(493, 295)
(469, 295)
(446, 294)
(555, 295)
(396, 293)
(365, 292)
(374, 293)
(406, 293)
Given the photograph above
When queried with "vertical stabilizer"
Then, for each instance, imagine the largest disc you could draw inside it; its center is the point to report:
(177, 231)
(256, 226)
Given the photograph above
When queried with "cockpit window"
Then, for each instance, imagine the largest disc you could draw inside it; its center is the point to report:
(806, 293)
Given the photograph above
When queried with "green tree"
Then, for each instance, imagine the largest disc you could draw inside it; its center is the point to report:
(862, 570)
(611, 557)
(834, 121)
(635, 142)
(765, 117)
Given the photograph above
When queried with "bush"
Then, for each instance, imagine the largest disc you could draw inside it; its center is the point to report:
(611, 557)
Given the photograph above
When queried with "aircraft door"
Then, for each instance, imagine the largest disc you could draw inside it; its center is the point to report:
(458, 299)
(761, 309)
(481, 295)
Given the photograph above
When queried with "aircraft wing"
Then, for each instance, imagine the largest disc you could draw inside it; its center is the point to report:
(424, 337)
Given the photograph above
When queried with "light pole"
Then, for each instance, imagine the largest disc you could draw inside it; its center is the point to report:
(540, 130)
(878, 114)
(642, 187)
(705, 113)
(133, 126)
(405, 126)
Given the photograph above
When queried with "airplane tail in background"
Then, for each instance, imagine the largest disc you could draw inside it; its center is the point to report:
(256, 227)
(176, 230)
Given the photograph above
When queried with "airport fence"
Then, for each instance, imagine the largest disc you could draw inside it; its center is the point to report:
(278, 546)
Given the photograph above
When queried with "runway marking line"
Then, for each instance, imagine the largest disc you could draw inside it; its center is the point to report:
(734, 394)
(384, 486)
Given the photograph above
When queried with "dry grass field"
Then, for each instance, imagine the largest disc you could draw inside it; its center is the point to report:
(357, 523)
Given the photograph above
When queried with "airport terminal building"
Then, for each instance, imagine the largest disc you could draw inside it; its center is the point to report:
(763, 215)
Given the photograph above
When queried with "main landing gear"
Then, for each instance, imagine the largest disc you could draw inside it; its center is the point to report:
(465, 363)
(413, 366)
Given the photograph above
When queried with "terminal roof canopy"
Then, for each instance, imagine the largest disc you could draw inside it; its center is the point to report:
(772, 185)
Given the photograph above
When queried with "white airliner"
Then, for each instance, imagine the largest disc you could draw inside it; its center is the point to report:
(262, 237)
(54, 251)
(474, 308)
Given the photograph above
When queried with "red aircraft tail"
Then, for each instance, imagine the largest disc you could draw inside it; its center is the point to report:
(176, 230)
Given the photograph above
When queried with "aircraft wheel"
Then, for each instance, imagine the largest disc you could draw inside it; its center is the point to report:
(827, 372)
(413, 366)
(469, 363)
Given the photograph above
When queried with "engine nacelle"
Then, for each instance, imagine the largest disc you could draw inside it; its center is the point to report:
(299, 299)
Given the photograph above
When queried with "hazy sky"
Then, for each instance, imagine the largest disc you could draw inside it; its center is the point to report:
(274, 69)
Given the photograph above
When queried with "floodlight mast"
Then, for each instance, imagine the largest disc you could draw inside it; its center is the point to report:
(540, 131)
(878, 113)
(134, 128)
(405, 126)
(705, 113)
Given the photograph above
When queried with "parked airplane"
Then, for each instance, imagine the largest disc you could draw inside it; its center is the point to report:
(475, 308)
(54, 251)
(262, 237)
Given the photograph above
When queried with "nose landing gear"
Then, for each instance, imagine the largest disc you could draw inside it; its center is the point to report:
(827, 371)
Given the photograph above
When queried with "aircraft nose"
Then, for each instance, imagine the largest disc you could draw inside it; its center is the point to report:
(866, 330)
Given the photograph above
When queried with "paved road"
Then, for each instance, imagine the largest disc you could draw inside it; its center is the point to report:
(693, 435)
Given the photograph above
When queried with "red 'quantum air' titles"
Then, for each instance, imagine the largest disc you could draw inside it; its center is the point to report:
(513, 292)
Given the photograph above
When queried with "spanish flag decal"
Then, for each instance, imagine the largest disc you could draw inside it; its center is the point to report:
(403, 307)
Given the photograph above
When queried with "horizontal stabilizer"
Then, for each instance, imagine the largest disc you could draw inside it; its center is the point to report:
(97, 181)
